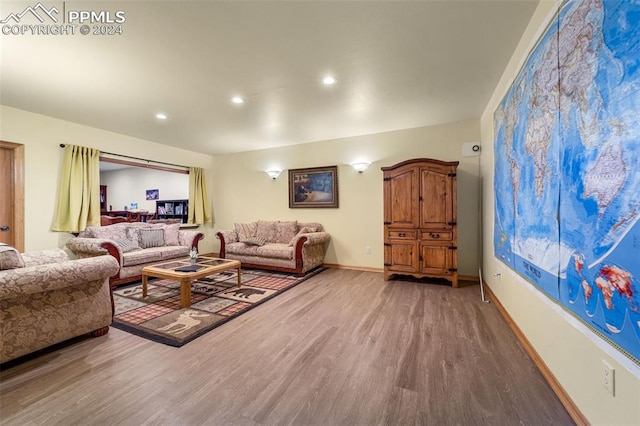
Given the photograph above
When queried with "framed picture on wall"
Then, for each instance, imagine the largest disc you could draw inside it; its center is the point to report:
(153, 194)
(313, 187)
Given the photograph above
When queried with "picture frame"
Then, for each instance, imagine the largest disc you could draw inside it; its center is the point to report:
(314, 187)
(153, 194)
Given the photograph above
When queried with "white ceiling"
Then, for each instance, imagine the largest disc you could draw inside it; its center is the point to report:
(399, 64)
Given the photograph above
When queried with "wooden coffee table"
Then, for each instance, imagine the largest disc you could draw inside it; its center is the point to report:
(171, 271)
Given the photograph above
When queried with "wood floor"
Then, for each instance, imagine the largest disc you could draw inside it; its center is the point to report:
(343, 348)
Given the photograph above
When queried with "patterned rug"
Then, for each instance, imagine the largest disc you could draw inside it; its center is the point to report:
(214, 300)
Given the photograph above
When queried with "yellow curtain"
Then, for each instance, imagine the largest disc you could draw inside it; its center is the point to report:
(78, 190)
(199, 210)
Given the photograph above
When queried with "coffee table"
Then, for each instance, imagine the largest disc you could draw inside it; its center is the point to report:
(202, 267)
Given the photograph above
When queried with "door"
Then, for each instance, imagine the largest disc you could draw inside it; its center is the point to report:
(12, 194)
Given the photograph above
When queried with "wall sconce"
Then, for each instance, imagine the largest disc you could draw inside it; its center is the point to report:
(360, 167)
(273, 173)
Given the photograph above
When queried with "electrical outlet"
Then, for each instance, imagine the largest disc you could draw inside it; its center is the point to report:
(609, 378)
(367, 250)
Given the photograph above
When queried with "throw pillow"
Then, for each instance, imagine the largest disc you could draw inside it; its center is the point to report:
(110, 232)
(151, 237)
(10, 258)
(254, 241)
(267, 230)
(127, 245)
(133, 234)
(171, 234)
(285, 231)
(88, 232)
(303, 230)
(246, 230)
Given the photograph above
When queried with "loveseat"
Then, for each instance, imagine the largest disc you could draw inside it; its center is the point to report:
(45, 299)
(286, 246)
(135, 245)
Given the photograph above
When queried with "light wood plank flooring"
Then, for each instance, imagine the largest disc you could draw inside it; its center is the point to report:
(343, 348)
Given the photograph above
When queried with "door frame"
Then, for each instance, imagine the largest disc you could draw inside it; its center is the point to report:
(18, 192)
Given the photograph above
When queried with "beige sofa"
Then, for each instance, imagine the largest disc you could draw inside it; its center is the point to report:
(46, 299)
(286, 246)
(135, 245)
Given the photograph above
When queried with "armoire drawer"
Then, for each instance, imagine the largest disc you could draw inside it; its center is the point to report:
(398, 234)
(436, 235)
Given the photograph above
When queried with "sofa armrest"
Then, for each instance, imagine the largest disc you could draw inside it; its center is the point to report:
(312, 238)
(22, 282)
(226, 237)
(190, 238)
(87, 247)
(92, 247)
(309, 249)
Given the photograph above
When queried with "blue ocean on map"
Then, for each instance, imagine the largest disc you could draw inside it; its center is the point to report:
(566, 181)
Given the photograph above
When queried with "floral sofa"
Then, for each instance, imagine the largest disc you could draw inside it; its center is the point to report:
(286, 246)
(135, 245)
(45, 298)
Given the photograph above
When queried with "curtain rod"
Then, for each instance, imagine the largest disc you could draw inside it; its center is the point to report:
(137, 158)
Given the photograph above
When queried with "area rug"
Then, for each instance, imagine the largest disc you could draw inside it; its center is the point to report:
(214, 300)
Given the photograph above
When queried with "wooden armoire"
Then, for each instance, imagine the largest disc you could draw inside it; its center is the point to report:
(420, 219)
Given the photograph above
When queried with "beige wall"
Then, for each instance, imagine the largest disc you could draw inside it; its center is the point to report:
(241, 191)
(42, 137)
(244, 193)
(573, 358)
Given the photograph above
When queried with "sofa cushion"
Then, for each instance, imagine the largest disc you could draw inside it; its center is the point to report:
(285, 231)
(172, 252)
(141, 256)
(254, 241)
(10, 258)
(241, 248)
(246, 230)
(151, 237)
(267, 230)
(276, 250)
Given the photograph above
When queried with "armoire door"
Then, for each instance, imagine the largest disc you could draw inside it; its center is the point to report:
(401, 256)
(401, 199)
(436, 258)
(436, 204)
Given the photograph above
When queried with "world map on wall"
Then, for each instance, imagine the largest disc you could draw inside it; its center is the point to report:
(567, 167)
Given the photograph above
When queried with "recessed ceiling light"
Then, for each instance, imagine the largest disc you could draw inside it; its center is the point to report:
(329, 80)
(161, 116)
(237, 100)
